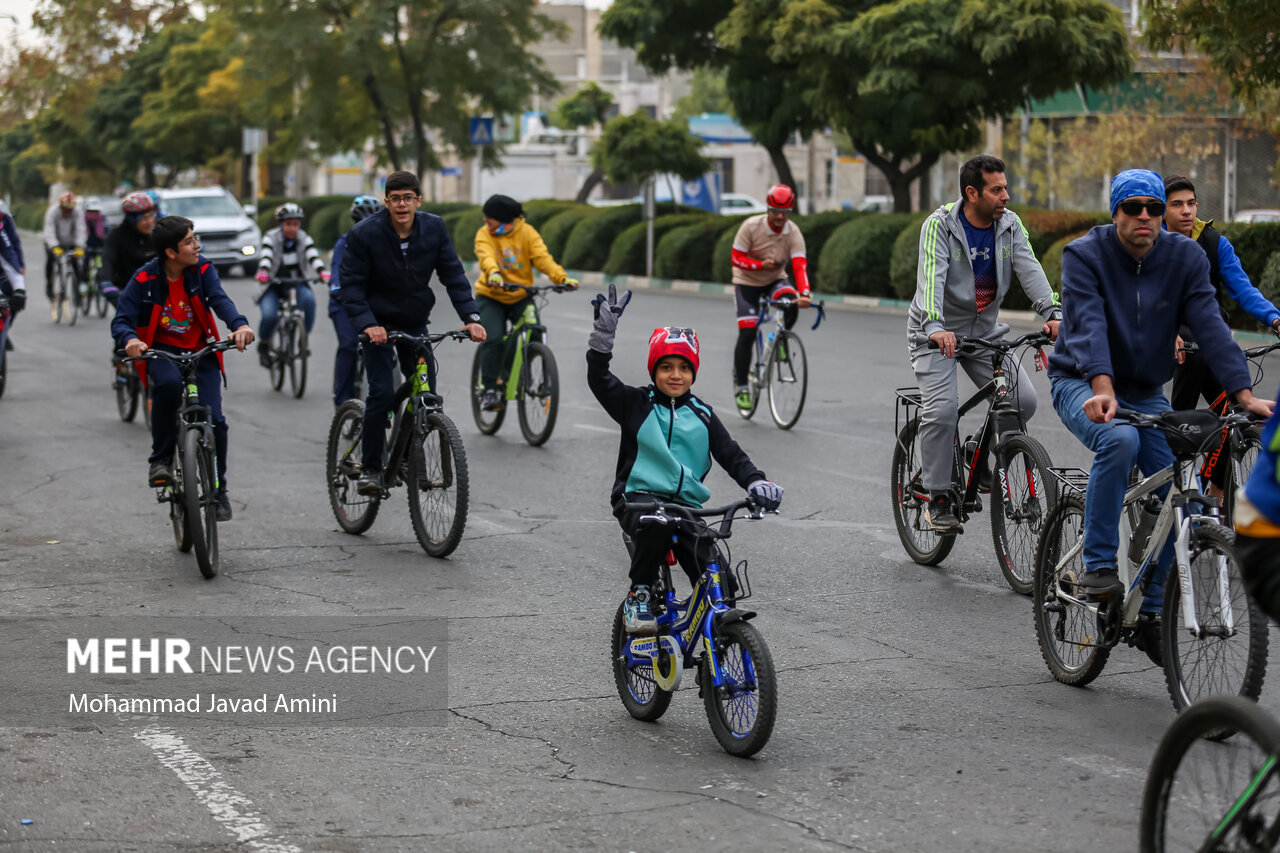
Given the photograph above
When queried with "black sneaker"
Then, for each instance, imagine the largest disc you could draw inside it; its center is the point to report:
(264, 354)
(160, 475)
(223, 504)
(941, 515)
(1149, 638)
(490, 401)
(8, 344)
(1100, 584)
(370, 484)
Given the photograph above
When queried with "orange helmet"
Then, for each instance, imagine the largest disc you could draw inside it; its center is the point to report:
(67, 201)
(672, 340)
(781, 197)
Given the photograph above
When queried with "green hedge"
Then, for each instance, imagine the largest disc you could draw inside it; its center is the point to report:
(1269, 281)
(555, 231)
(539, 211)
(721, 259)
(463, 225)
(443, 208)
(687, 251)
(329, 223)
(626, 255)
(29, 215)
(589, 243)
(856, 257)
(904, 258)
(1052, 260)
(1047, 227)
(817, 228)
(1254, 244)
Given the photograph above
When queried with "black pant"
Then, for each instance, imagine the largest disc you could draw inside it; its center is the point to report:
(649, 546)
(50, 263)
(378, 368)
(1193, 380)
(751, 296)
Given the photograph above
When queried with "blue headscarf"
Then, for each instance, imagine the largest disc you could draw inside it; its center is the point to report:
(1135, 182)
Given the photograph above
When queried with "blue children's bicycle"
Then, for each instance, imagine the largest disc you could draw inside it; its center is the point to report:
(705, 632)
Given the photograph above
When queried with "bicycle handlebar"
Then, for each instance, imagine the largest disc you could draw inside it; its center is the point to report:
(534, 290)
(658, 511)
(272, 281)
(1191, 347)
(1035, 339)
(421, 340)
(179, 357)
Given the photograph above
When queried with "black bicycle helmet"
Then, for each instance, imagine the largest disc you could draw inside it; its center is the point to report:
(364, 205)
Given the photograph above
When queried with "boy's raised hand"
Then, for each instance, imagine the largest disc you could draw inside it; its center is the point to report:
(607, 311)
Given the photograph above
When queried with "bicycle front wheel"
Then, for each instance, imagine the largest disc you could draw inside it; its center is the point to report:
(298, 358)
(1245, 453)
(1021, 500)
(126, 388)
(538, 393)
(1204, 795)
(71, 295)
(201, 492)
(637, 687)
(355, 512)
(1219, 658)
(487, 422)
(437, 484)
(911, 501)
(1068, 631)
(787, 375)
(279, 352)
(743, 707)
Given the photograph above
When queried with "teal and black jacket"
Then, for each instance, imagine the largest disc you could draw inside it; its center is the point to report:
(667, 443)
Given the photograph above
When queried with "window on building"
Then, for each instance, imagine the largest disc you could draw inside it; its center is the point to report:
(725, 165)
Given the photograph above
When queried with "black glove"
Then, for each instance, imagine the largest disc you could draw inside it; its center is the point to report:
(18, 301)
(607, 311)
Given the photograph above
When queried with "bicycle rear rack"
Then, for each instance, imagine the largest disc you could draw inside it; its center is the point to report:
(1070, 479)
(909, 402)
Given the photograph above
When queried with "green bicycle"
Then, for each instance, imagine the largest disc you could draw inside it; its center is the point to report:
(527, 357)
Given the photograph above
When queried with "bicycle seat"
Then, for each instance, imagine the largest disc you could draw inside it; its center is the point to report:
(1191, 432)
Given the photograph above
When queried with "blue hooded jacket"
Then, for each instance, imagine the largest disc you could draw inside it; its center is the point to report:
(1120, 315)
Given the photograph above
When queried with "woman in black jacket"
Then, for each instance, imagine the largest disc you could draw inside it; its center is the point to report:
(128, 246)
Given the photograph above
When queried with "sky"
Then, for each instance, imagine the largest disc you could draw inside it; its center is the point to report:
(20, 9)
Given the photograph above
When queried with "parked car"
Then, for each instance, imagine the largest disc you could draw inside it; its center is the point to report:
(1256, 216)
(228, 237)
(738, 203)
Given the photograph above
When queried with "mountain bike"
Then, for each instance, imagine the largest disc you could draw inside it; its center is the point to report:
(1240, 441)
(1213, 638)
(525, 355)
(705, 632)
(6, 317)
(66, 301)
(193, 497)
(424, 452)
(1207, 794)
(289, 344)
(1020, 498)
(130, 392)
(90, 290)
(780, 366)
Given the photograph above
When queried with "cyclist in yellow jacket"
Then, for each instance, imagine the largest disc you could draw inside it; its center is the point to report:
(508, 249)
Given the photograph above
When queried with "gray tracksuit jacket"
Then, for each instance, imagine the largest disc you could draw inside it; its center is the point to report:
(945, 298)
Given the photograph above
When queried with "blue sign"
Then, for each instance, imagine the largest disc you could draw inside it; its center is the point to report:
(703, 192)
(451, 172)
(481, 131)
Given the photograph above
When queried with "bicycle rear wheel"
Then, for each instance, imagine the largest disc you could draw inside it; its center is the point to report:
(1021, 500)
(1068, 631)
(911, 500)
(4, 370)
(437, 483)
(126, 388)
(637, 687)
(1203, 795)
(538, 393)
(1250, 442)
(1215, 661)
(200, 493)
(487, 422)
(178, 513)
(742, 710)
(71, 295)
(355, 512)
(298, 358)
(279, 354)
(788, 379)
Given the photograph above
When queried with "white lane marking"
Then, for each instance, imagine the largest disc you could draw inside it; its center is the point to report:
(594, 428)
(227, 805)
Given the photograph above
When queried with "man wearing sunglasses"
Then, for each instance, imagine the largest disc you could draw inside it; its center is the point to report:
(386, 271)
(1125, 288)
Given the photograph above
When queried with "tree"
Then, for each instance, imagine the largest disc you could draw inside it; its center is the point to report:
(708, 93)
(587, 107)
(16, 178)
(910, 80)
(1237, 36)
(88, 36)
(634, 148)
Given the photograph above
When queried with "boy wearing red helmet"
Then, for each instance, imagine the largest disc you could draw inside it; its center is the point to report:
(761, 249)
(669, 438)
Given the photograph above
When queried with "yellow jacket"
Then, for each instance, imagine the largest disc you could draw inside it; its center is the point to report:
(514, 255)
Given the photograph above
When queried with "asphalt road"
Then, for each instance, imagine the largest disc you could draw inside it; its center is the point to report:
(915, 712)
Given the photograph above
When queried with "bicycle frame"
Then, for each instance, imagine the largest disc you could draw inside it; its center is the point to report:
(771, 313)
(522, 331)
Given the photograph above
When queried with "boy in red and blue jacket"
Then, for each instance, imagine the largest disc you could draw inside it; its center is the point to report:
(170, 304)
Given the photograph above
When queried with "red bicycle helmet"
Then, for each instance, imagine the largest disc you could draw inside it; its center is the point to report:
(138, 203)
(672, 340)
(781, 197)
(67, 201)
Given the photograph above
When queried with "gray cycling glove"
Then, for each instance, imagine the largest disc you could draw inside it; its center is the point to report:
(767, 495)
(607, 311)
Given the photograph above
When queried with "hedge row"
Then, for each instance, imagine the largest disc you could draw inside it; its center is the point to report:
(627, 254)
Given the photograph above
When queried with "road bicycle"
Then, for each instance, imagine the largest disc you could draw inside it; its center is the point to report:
(1213, 639)
(1020, 499)
(705, 632)
(1204, 793)
(780, 366)
(66, 287)
(6, 319)
(90, 291)
(289, 345)
(130, 392)
(1240, 442)
(193, 496)
(527, 356)
(424, 451)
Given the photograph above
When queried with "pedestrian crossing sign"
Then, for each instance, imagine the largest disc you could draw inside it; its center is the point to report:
(481, 131)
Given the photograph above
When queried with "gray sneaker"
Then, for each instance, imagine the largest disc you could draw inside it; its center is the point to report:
(637, 618)
(942, 516)
(370, 484)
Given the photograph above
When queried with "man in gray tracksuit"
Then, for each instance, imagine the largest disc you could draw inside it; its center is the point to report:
(969, 251)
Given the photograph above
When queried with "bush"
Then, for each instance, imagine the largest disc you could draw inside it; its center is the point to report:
(443, 208)
(329, 224)
(1052, 260)
(904, 260)
(1254, 243)
(591, 239)
(687, 251)
(1047, 227)
(29, 215)
(626, 255)
(722, 254)
(1269, 281)
(817, 228)
(555, 230)
(463, 225)
(539, 211)
(856, 257)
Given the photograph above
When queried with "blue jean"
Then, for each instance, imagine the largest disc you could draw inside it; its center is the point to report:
(270, 307)
(165, 381)
(346, 359)
(378, 364)
(1117, 447)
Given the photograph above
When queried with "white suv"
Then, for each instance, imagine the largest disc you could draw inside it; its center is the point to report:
(228, 236)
